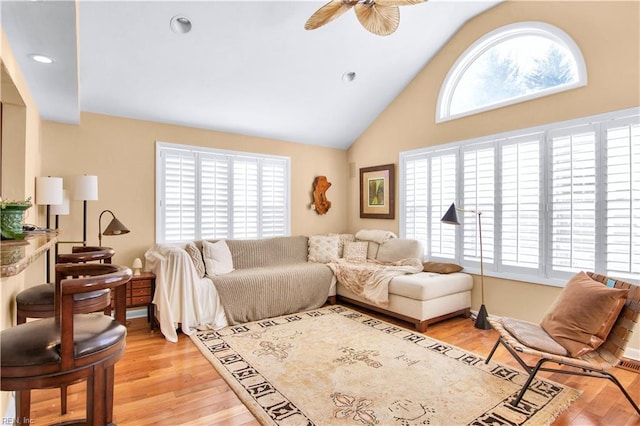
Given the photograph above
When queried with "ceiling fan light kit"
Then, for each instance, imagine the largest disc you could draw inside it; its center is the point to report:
(380, 17)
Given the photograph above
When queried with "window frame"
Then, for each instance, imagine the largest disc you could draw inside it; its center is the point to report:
(491, 39)
(194, 150)
(541, 274)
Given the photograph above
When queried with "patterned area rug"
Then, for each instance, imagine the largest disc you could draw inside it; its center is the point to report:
(336, 366)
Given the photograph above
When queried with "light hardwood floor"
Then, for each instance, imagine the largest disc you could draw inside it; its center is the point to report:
(162, 383)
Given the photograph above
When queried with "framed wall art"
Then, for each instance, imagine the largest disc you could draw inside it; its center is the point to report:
(377, 185)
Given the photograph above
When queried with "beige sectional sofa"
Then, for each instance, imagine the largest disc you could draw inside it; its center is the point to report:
(422, 298)
(270, 277)
(278, 276)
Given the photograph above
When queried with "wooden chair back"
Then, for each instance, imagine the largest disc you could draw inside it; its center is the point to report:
(620, 334)
(75, 278)
(87, 254)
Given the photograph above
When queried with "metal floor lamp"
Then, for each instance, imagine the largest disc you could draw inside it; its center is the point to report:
(451, 217)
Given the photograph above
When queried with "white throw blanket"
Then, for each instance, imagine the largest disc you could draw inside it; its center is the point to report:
(182, 298)
(375, 235)
(370, 280)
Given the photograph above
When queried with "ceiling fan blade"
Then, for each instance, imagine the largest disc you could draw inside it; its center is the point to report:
(328, 13)
(378, 19)
(398, 2)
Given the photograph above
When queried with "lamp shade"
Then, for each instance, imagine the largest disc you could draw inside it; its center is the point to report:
(61, 209)
(85, 188)
(451, 216)
(115, 227)
(48, 190)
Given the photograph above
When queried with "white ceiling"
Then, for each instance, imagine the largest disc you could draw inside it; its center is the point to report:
(246, 67)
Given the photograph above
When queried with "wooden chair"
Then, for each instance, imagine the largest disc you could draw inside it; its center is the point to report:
(592, 364)
(68, 347)
(37, 301)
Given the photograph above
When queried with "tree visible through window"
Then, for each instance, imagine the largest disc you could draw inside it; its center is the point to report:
(512, 64)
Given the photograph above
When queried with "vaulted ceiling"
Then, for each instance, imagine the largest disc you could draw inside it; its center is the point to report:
(246, 67)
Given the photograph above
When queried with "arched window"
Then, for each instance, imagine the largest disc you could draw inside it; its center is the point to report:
(512, 64)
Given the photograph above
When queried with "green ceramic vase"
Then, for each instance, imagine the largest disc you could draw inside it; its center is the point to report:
(11, 221)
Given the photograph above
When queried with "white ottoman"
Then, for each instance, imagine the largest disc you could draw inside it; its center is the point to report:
(422, 298)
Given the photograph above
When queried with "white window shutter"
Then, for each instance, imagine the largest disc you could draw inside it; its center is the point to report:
(274, 208)
(442, 241)
(623, 198)
(214, 196)
(572, 195)
(206, 193)
(478, 193)
(245, 198)
(179, 201)
(416, 196)
(520, 202)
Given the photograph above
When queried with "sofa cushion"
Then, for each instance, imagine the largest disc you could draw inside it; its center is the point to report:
(323, 248)
(399, 248)
(217, 258)
(356, 251)
(583, 314)
(428, 285)
(342, 239)
(196, 257)
(268, 251)
(441, 267)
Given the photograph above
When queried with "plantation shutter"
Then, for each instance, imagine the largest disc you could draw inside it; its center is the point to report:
(573, 200)
(520, 202)
(416, 196)
(623, 198)
(205, 193)
(214, 198)
(274, 207)
(179, 195)
(245, 198)
(442, 242)
(478, 192)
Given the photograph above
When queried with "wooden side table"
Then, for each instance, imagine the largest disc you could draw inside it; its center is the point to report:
(139, 292)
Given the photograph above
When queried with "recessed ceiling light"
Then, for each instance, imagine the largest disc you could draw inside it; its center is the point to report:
(41, 58)
(348, 77)
(180, 24)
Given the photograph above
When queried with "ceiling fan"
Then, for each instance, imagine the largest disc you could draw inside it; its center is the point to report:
(380, 17)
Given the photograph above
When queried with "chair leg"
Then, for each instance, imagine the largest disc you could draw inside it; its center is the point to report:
(528, 382)
(23, 406)
(98, 396)
(110, 381)
(486, 361)
(63, 399)
(624, 391)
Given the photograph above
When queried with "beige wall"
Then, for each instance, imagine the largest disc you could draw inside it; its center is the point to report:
(121, 152)
(608, 35)
(21, 164)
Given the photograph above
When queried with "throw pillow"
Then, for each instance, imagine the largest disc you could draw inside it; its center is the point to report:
(343, 238)
(196, 257)
(356, 251)
(441, 268)
(323, 248)
(583, 315)
(217, 258)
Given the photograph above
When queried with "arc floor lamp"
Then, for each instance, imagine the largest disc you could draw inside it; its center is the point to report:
(451, 217)
(115, 227)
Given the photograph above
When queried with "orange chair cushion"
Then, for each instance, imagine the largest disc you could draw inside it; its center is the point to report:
(583, 315)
